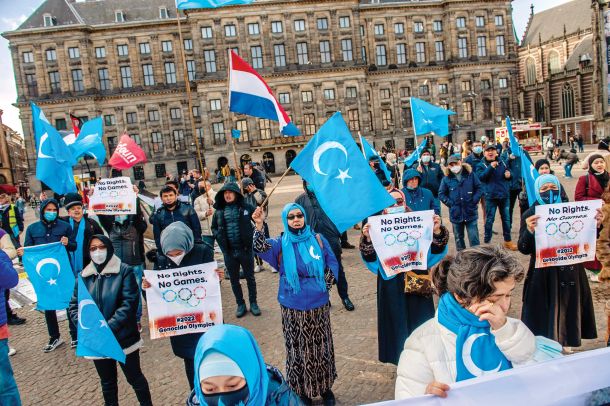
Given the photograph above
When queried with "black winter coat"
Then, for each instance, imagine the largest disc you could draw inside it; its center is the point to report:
(219, 226)
(116, 293)
(183, 212)
(127, 238)
(184, 345)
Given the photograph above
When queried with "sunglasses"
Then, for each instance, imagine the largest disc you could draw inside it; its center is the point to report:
(295, 216)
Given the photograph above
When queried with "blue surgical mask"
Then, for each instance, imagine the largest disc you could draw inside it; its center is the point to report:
(547, 197)
(234, 398)
(477, 150)
(395, 210)
(411, 188)
(121, 218)
(50, 215)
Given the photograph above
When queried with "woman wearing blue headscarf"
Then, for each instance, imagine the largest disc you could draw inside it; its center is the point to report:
(557, 301)
(307, 269)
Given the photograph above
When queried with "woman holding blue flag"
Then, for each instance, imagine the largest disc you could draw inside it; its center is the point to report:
(475, 292)
(398, 311)
(113, 288)
(230, 370)
(307, 268)
(557, 301)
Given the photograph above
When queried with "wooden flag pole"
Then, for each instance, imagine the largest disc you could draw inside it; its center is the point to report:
(276, 185)
(237, 166)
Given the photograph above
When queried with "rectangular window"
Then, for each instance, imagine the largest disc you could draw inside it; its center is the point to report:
(386, 119)
(325, 52)
(188, 44)
(277, 27)
(467, 110)
(381, 55)
(160, 171)
(218, 131)
(420, 52)
(384, 94)
(163, 14)
(175, 113)
(104, 78)
(126, 77)
(500, 45)
(122, 50)
(482, 45)
(170, 73)
(253, 29)
(346, 50)
(437, 26)
(418, 27)
(371, 122)
(153, 115)
(379, 29)
(485, 84)
(279, 53)
(401, 54)
(131, 118)
(109, 119)
(405, 92)
(215, 105)
(505, 106)
(138, 171)
(439, 51)
(206, 32)
(77, 80)
(48, 21)
(442, 88)
(466, 86)
(112, 143)
(256, 54)
(179, 142)
(323, 23)
(344, 22)
(191, 69)
(353, 120)
(157, 141)
(462, 47)
(460, 22)
(148, 73)
(480, 21)
(54, 82)
(144, 48)
(167, 46)
(100, 52)
(265, 127)
(309, 122)
(399, 29)
(499, 21)
(363, 53)
(351, 92)
(302, 58)
(73, 53)
(119, 17)
(230, 30)
(30, 80)
(502, 83)
(487, 113)
(60, 124)
(329, 94)
(51, 55)
(405, 117)
(284, 98)
(210, 60)
(424, 90)
(299, 25)
(242, 127)
(307, 96)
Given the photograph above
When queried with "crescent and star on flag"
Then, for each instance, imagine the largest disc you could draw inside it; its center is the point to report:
(343, 174)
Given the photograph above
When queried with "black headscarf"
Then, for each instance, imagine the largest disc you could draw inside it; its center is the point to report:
(109, 250)
(603, 177)
(541, 162)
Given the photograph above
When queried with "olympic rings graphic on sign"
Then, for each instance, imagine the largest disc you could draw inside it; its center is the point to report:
(199, 292)
(169, 295)
(185, 296)
(389, 239)
(564, 229)
(551, 229)
(404, 238)
(578, 225)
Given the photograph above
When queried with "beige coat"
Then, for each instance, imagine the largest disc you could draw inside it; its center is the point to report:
(201, 206)
(8, 247)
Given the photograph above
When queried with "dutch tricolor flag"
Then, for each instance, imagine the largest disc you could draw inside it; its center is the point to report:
(249, 94)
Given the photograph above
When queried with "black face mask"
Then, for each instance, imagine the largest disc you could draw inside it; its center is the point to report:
(548, 196)
(296, 231)
(234, 398)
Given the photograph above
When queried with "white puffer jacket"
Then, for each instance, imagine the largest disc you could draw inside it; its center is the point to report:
(429, 354)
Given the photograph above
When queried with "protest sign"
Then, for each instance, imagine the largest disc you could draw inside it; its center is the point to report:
(402, 240)
(566, 233)
(113, 196)
(183, 300)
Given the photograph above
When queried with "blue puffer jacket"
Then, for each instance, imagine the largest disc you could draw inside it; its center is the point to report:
(515, 168)
(430, 177)
(44, 232)
(420, 198)
(495, 184)
(8, 280)
(473, 160)
(461, 196)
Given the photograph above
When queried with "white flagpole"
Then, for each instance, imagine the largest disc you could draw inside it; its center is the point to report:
(414, 132)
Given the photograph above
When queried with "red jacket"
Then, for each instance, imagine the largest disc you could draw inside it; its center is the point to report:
(588, 189)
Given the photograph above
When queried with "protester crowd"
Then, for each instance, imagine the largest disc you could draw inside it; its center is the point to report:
(225, 365)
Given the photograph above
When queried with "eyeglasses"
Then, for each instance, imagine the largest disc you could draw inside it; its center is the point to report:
(293, 216)
(96, 247)
(400, 201)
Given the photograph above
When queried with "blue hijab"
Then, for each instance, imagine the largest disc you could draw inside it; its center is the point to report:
(555, 195)
(309, 250)
(476, 351)
(238, 344)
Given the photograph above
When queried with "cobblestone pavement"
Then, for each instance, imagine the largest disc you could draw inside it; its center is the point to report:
(59, 378)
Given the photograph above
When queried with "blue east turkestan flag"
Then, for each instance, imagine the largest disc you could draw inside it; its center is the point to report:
(54, 159)
(428, 118)
(89, 141)
(528, 171)
(95, 338)
(38, 115)
(235, 133)
(369, 152)
(50, 273)
(189, 4)
(340, 176)
(414, 156)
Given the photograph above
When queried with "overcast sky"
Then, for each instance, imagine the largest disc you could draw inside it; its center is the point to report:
(14, 12)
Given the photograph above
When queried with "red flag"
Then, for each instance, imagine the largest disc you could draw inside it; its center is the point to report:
(127, 154)
(77, 123)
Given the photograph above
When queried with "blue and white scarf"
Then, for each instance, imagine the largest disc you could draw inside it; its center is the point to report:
(76, 257)
(476, 351)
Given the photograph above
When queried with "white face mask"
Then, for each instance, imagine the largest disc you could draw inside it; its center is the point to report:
(99, 256)
(425, 158)
(394, 210)
(456, 169)
(177, 259)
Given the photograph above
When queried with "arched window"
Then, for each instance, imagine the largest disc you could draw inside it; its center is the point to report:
(530, 71)
(554, 62)
(567, 101)
(539, 108)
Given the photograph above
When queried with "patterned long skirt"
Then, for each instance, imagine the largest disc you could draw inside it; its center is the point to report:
(310, 356)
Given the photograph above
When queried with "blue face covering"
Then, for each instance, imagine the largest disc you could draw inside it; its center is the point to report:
(50, 216)
(234, 398)
(477, 150)
(121, 218)
(550, 196)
